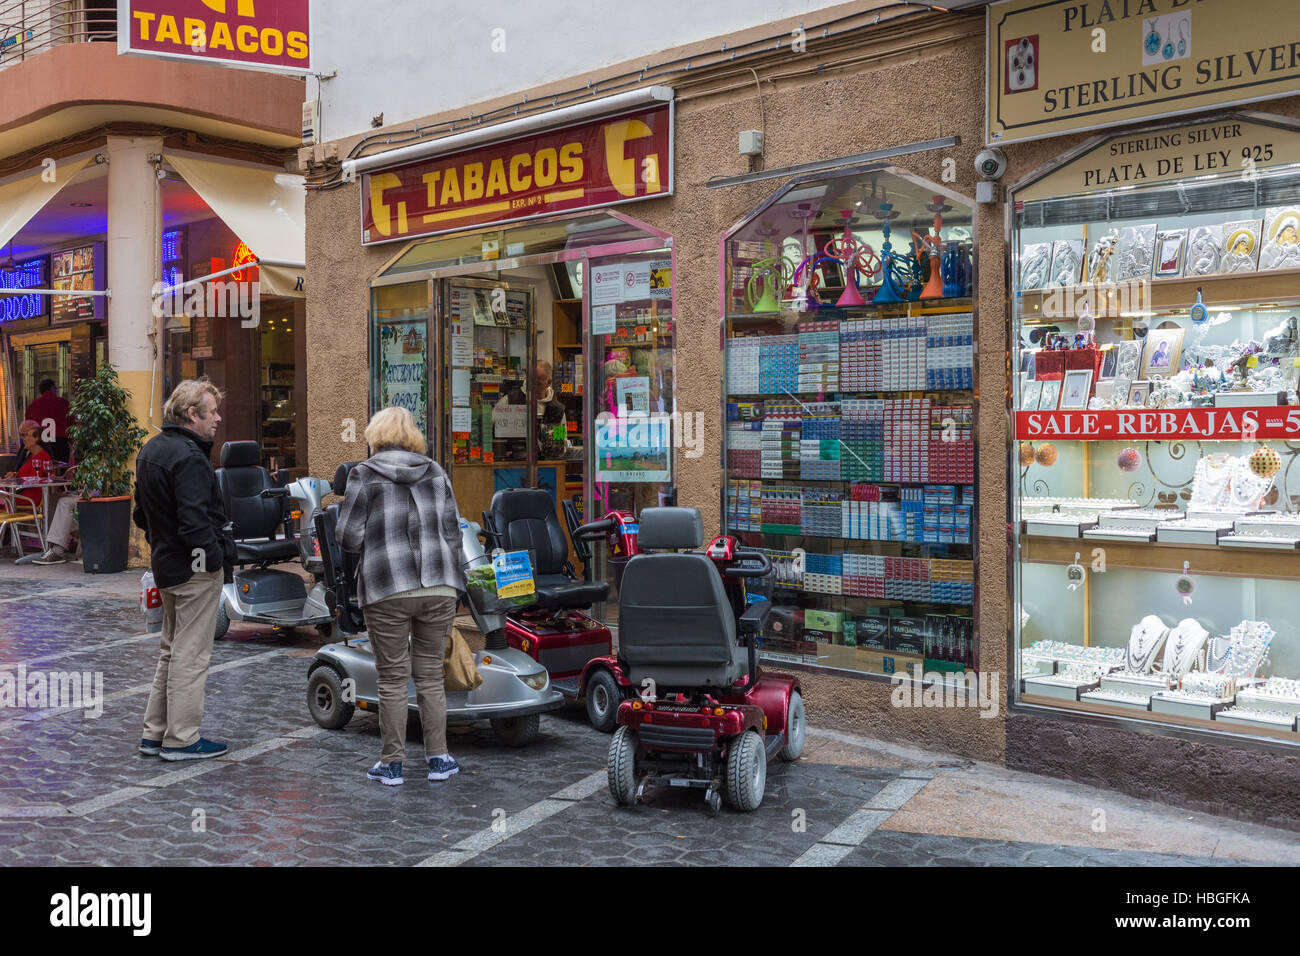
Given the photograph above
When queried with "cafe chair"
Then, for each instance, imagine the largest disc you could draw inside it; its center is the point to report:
(21, 512)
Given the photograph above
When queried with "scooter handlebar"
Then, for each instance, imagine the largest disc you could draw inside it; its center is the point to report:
(275, 492)
(596, 529)
(764, 565)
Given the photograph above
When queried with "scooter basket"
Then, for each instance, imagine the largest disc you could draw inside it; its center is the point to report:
(481, 588)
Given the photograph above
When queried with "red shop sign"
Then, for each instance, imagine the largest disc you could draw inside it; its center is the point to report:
(1172, 424)
(255, 34)
(618, 159)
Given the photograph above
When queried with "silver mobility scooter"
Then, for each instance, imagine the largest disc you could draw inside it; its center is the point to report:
(515, 691)
(258, 509)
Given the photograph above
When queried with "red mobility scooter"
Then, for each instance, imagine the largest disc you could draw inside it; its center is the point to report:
(558, 631)
(713, 720)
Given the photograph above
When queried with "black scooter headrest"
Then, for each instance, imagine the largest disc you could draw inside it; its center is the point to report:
(670, 529)
(240, 454)
(340, 482)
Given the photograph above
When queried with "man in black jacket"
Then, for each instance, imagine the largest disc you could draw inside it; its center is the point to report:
(178, 504)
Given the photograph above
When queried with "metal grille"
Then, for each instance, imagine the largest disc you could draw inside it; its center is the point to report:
(29, 27)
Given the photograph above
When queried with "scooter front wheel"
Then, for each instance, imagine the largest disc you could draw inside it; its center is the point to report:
(325, 699)
(621, 767)
(517, 731)
(223, 619)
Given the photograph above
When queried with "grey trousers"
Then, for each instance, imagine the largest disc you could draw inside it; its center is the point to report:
(175, 708)
(428, 622)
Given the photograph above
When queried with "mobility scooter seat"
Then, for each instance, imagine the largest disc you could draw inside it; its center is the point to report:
(523, 519)
(676, 624)
(241, 480)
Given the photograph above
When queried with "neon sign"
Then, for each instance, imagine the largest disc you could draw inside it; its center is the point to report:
(24, 275)
(243, 256)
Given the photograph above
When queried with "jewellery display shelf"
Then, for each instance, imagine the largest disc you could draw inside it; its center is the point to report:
(1147, 533)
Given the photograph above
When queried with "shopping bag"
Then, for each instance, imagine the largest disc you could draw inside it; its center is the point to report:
(458, 669)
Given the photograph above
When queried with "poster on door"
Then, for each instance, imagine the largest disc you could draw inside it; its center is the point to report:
(404, 368)
(633, 446)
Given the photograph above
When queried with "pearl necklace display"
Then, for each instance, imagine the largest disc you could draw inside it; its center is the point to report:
(1183, 647)
(1210, 482)
(1144, 643)
(1240, 652)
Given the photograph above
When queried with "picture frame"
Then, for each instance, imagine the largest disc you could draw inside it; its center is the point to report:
(1027, 363)
(1067, 262)
(1134, 252)
(1104, 390)
(1239, 250)
(1163, 353)
(1077, 389)
(1035, 265)
(1138, 393)
(1280, 238)
(1051, 395)
(1109, 361)
(1171, 244)
(1031, 391)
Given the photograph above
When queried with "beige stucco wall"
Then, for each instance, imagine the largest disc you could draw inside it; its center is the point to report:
(905, 99)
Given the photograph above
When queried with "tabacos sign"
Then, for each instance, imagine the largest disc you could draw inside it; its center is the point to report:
(256, 34)
(624, 158)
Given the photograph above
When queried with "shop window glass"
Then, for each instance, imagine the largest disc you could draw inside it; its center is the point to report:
(850, 420)
(1155, 508)
(400, 350)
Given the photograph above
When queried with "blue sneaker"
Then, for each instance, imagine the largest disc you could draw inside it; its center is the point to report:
(201, 749)
(440, 768)
(150, 748)
(389, 774)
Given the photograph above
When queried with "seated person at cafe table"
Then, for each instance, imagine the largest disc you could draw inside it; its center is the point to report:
(37, 464)
(59, 537)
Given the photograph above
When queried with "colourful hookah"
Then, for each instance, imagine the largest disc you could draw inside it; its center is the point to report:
(895, 270)
(855, 258)
(770, 275)
(801, 295)
(932, 248)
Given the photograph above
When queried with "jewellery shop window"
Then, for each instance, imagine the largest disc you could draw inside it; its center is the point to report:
(1153, 483)
(850, 414)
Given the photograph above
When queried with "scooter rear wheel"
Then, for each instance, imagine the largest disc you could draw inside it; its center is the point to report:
(603, 699)
(796, 727)
(620, 767)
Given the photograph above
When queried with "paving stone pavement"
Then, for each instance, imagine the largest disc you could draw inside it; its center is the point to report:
(74, 791)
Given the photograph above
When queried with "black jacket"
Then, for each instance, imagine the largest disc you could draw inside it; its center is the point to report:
(178, 504)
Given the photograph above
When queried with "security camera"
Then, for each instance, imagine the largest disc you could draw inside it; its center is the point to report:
(991, 163)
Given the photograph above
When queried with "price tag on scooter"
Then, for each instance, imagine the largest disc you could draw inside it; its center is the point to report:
(514, 573)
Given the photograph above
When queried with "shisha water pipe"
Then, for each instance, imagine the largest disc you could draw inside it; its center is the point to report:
(889, 261)
(855, 258)
(769, 277)
(801, 295)
(932, 246)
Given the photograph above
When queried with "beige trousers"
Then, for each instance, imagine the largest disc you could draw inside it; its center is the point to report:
(189, 623)
(427, 621)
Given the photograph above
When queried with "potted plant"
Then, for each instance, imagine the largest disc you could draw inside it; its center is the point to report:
(106, 439)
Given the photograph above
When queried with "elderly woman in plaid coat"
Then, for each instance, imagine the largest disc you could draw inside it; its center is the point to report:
(400, 514)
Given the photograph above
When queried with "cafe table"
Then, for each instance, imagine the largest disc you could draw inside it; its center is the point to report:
(10, 488)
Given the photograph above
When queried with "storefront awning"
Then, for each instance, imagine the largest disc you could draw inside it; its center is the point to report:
(263, 207)
(23, 198)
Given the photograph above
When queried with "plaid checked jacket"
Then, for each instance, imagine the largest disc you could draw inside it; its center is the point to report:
(400, 513)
